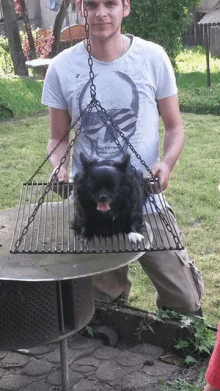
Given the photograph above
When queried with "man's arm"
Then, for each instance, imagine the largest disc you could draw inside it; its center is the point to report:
(59, 124)
(173, 139)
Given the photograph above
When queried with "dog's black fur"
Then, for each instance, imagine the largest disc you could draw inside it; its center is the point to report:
(108, 199)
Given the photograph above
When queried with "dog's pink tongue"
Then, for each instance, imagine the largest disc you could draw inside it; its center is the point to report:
(103, 206)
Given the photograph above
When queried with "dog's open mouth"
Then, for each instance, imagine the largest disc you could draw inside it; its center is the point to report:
(103, 207)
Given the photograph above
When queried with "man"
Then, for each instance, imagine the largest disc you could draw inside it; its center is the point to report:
(135, 84)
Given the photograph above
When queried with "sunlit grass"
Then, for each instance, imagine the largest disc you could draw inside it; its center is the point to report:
(194, 60)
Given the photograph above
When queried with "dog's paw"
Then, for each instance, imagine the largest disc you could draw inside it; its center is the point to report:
(134, 237)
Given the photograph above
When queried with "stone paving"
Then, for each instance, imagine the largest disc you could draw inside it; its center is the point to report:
(92, 367)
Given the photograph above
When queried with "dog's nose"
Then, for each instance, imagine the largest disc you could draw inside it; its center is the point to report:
(103, 198)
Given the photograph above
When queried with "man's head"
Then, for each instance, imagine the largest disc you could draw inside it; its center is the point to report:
(104, 17)
(81, 3)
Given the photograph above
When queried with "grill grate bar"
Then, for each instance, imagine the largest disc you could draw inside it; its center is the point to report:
(50, 230)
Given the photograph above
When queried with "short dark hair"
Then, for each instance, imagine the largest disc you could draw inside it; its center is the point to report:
(123, 1)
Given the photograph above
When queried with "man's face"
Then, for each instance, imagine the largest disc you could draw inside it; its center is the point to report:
(104, 16)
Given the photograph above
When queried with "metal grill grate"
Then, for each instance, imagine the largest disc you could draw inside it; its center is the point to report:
(50, 230)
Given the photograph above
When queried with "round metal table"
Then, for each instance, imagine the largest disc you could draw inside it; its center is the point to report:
(59, 275)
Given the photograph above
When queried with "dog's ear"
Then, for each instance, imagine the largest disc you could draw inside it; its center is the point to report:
(86, 162)
(123, 165)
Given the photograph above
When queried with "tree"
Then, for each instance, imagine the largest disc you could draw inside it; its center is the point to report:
(161, 21)
(24, 14)
(12, 33)
(58, 25)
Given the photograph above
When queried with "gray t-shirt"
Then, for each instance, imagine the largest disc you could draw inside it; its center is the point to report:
(128, 88)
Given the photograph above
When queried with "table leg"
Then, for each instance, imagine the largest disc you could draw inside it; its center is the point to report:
(64, 364)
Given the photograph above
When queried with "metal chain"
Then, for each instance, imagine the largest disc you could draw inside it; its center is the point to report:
(89, 49)
(106, 120)
(55, 174)
(105, 117)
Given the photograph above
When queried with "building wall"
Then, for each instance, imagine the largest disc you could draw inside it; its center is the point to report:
(206, 5)
(48, 16)
(42, 16)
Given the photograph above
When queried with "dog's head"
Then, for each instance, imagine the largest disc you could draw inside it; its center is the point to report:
(104, 179)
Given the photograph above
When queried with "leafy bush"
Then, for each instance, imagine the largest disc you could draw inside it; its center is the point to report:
(160, 21)
(43, 44)
(6, 65)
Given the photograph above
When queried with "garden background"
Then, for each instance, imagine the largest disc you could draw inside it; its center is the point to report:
(194, 189)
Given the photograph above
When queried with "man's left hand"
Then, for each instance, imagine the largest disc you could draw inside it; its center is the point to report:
(162, 171)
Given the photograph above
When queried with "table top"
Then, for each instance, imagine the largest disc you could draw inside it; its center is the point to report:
(47, 267)
(39, 63)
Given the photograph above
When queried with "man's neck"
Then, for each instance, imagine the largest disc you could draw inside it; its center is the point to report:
(108, 50)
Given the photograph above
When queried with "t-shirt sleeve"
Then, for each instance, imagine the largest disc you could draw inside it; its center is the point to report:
(52, 91)
(166, 80)
(213, 371)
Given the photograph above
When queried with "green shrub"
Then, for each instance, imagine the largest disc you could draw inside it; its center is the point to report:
(160, 21)
(6, 65)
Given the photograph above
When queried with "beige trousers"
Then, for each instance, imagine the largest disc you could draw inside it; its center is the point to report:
(178, 282)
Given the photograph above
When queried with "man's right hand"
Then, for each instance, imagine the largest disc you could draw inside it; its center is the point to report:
(62, 175)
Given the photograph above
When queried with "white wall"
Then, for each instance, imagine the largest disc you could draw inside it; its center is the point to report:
(206, 5)
(42, 16)
(48, 16)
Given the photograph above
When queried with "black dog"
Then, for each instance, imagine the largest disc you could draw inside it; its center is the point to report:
(108, 200)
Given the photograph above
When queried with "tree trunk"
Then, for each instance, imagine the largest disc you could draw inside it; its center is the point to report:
(12, 33)
(58, 25)
(32, 51)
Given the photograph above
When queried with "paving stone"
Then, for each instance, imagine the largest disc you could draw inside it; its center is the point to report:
(83, 368)
(110, 371)
(137, 381)
(160, 370)
(2, 372)
(37, 368)
(81, 343)
(3, 353)
(74, 355)
(148, 350)
(90, 360)
(127, 359)
(75, 377)
(54, 356)
(14, 360)
(85, 365)
(85, 385)
(13, 382)
(106, 353)
(38, 351)
(39, 386)
(54, 378)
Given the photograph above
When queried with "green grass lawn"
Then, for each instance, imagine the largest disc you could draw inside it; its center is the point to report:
(194, 96)
(22, 96)
(193, 192)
